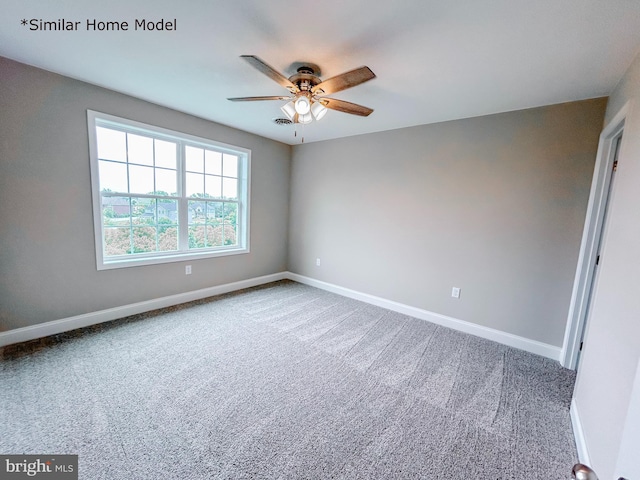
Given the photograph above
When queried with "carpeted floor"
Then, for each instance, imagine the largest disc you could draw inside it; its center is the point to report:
(287, 381)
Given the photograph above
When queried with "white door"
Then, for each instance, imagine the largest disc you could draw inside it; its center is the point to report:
(607, 201)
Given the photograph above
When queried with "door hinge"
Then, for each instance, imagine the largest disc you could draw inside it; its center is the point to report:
(615, 165)
(581, 346)
(598, 260)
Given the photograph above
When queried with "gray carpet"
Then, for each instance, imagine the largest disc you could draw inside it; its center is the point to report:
(287, 381)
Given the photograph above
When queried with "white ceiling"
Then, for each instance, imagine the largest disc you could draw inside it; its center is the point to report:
(435, 60)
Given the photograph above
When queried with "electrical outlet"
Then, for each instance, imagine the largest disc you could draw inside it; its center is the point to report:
(187, 270)
(317, 262)
(455, 292)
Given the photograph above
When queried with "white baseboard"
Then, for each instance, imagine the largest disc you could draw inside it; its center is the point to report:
(66, 324)
(578, 434)
(509, 339)
(71, 323)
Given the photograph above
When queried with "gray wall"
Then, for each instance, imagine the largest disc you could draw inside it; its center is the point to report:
(611, 353)
(494, 205)
(47, 260)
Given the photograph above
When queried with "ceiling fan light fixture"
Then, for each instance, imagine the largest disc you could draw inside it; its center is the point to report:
(302, 105)
(318, 110)
(306, 118)
(289, 110)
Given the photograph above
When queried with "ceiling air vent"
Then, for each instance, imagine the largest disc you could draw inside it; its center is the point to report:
(282, 121)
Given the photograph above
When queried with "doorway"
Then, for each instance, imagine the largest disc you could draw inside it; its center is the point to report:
(590, 259)
(600, 241)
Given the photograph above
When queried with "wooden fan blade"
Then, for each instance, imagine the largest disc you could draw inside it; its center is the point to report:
(343, 81)
(346, 107)
(270, 72)
(255, 99)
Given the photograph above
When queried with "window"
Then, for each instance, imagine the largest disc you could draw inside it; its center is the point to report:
(162, 196)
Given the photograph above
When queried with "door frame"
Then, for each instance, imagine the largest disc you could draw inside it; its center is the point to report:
(583, 282)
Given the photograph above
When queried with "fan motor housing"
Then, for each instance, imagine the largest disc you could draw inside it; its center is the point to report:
(305, 79)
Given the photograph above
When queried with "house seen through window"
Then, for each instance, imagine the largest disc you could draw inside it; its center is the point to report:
(163, 196)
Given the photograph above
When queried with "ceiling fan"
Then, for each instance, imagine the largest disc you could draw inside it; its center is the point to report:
(306, 98)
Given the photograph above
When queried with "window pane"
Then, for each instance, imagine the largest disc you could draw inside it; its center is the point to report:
(113, 176)
(230, 165)
(140, 179)
(197, 237)
(143, 211)
(112, 144)
(213, 162)
(195, 184)
(230, 213)
(167, 238)
(140, 149)
(165, 154)
(214, 236)
(213, 186)
(195, 159)
(144, 239)
(116, 211)
(166, 182)
(214, 213)
(117, 241)
(230, 236)
(196, 212)
(230, 188)
(167, 212)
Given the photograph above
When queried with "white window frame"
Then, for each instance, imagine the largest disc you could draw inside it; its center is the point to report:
(183, 139)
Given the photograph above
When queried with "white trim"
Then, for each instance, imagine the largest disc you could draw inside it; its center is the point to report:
(578, 434)
(93, 318)
(509, 339)
(576, 318)
(163, 257)
(71, 323)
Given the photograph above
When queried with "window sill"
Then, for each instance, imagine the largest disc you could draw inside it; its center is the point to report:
(169, 258)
